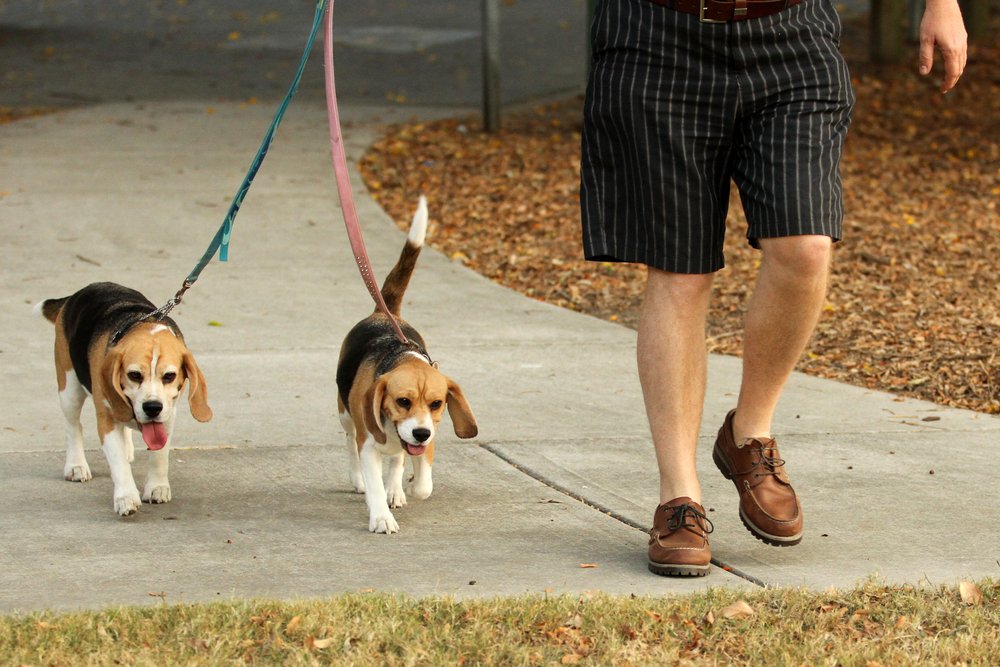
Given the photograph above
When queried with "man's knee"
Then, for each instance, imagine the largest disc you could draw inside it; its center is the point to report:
(808, 254)
(682, 286)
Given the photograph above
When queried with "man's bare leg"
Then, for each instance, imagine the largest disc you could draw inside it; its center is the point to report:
(672, 362)
(781, 316)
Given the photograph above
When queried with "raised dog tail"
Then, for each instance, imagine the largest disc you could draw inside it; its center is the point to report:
(399, 278)
(49, 308)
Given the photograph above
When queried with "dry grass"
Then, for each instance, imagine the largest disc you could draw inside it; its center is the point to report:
(871, 625)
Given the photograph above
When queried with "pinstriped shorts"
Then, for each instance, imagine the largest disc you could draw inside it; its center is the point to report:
(676, 109)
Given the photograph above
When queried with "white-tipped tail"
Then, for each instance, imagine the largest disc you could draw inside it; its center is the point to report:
(37, 310)
(418, 228)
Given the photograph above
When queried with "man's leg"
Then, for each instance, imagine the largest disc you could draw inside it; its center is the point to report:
(672, 362)
(781, 316)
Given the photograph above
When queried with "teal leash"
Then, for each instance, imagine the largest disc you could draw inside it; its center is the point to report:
(220, 243)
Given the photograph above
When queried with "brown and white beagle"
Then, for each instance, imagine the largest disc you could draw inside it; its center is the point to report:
(391, 397)
(135, 370)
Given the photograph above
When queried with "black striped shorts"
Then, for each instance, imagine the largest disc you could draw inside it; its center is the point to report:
(676, 109)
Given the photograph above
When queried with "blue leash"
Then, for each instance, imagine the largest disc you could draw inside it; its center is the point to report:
(220, 243)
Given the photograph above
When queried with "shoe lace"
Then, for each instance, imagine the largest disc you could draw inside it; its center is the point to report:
(679, 519)
(770, 462)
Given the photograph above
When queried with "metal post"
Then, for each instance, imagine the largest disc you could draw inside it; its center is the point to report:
(591, 11)
(888, 19)
(491, 65)
(977, 17)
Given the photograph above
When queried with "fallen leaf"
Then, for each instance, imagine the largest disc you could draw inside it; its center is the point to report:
(709, 618)
(970, 593)
(739, 609)
(588, 565)
(293, 624)
(312, 642)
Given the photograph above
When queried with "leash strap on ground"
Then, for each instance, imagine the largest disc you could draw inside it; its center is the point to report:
(344, 180)
(220, 243)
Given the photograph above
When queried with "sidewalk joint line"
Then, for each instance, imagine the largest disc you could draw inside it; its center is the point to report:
(606, 510)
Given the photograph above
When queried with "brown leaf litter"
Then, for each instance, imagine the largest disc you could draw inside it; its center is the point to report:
(914, 300)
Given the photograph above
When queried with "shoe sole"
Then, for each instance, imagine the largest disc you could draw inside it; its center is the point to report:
(766, 538)
(668, 570)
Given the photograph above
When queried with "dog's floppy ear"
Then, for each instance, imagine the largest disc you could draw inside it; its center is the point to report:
(110, 379)
(373, 410)
(461, 414)
(198, 390)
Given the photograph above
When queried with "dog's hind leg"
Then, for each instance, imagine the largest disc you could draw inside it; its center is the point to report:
(394, 493)
(71, 399)
(353, 459)
(129, 446)
(422, 484)
(157, 489)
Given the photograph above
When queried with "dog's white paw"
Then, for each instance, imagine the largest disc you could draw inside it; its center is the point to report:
(395, 497)
(358, 482)
(77, 473)
(157, 494)
(383, 523)
(421, 490)
(128, 503)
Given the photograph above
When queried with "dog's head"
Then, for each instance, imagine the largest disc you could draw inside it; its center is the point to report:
(145, 373)
(412, 397)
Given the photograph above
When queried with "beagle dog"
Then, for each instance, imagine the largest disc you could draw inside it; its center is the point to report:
(135, 369)
(391, 397)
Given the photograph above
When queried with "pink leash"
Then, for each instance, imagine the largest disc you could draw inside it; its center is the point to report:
(344, 180)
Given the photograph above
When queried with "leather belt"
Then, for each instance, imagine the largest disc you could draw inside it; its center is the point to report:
(719, 11)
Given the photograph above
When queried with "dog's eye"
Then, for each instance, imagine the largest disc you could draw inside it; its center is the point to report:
(135, 376)
(436, 405)
(403, 403)
(169, 377)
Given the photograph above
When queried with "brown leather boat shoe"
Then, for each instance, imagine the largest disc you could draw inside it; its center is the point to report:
(678, 541)
(769, 507)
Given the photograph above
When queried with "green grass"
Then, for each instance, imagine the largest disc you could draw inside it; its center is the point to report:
(873, 624)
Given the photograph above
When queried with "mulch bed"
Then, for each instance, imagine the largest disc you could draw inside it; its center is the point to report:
(914, 301)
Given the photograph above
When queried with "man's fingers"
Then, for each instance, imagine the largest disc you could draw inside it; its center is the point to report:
(926, 55)
(954, 64)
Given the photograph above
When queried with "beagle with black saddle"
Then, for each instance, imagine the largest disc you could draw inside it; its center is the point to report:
(135, 369)
(391, 397)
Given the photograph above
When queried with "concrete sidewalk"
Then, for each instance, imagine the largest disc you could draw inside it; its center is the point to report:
(562, 475)
(898, 489)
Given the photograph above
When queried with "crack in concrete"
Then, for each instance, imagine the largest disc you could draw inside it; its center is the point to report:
(607, 511)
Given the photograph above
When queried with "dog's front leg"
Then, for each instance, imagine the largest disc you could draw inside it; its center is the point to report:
(157, 484)
(126, 498)
(380, 519)
(71, 400)
(353, 459)
(395, 495)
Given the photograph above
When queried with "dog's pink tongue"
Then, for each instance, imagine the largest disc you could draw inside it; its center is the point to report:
(154, 435)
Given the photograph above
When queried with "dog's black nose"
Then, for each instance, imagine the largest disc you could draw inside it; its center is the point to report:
(152, 408)
(421, 434)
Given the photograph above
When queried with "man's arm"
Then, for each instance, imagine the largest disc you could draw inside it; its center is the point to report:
(942, 28)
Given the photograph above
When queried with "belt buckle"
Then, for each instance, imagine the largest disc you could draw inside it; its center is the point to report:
(701, 13)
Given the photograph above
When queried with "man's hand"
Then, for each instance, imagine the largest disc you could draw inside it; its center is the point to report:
(942, 28)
